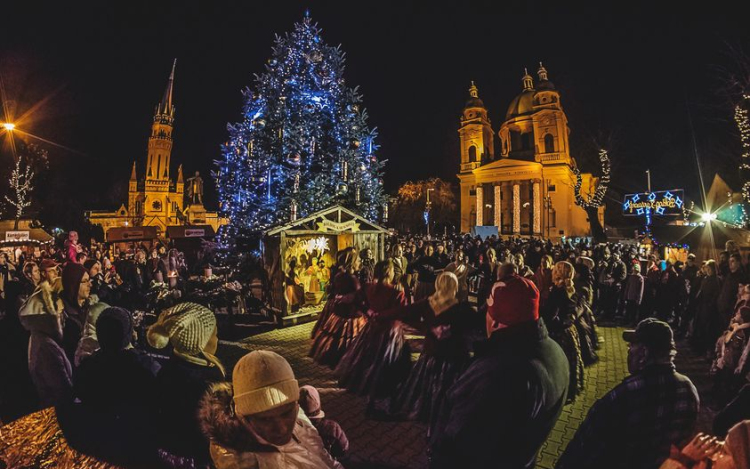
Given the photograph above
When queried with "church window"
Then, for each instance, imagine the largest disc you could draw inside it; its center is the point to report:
(138, 208)
(549, 143)
(472, 154)
(174, 207)
(526, 142)
(552, 217)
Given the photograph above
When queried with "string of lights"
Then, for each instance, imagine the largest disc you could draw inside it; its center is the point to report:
(743, 124)
(597, 199)
(21, 182)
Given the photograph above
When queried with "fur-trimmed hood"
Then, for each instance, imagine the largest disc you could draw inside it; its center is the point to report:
(42, 311)
(221, 425)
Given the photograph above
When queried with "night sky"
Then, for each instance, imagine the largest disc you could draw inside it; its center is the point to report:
(627, 78)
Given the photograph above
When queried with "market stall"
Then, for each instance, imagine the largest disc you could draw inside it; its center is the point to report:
(126, 239)
(190, 239)
(305, 252)
(24, 241)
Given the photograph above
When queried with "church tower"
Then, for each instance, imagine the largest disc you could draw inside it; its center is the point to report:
(159, 151)
(477, 144)
(160, 142)
(550, 123)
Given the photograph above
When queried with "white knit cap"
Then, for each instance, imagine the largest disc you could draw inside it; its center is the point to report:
(263, 380)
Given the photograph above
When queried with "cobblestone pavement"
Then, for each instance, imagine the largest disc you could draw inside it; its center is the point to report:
(376, 444)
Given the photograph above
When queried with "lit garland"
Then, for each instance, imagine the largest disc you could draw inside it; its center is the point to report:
(743, 124)
(303, 136)
(480, 206)
(516, 208)
(21, 184)
(497, 207)
(597, 199)
(537, 208)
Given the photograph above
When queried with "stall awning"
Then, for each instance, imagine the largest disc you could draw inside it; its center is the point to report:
(137, 233)
(334, 220)
(24, 235)
(195, 231)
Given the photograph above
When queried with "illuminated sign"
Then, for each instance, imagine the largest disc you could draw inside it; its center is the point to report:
(195, 232)
(16, 235)
(650, 204)
(326, 225)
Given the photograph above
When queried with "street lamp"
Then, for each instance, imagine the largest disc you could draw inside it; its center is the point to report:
(427, 207)
(9, 126)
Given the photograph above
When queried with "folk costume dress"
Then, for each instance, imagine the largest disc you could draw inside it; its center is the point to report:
(342, 322)
(449, 330)
(380, 358)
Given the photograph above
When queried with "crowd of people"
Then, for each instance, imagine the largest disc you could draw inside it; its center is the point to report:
(508, 327)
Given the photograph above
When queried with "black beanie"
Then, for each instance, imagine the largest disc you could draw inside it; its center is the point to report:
(71, 279)
(114, 329)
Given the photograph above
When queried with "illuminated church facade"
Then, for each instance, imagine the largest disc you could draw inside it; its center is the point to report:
(156, 199)
(526, 188)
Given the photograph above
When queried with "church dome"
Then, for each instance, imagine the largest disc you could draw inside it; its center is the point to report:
(521, 104)
(545, 85)
(474, 102)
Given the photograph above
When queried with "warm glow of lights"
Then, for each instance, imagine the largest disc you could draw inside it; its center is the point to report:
(480, 206)
(708, 217)
(516, 209)
(9, 126)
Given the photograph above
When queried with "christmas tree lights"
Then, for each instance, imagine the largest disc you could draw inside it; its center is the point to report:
(743, 124)
(303, 143)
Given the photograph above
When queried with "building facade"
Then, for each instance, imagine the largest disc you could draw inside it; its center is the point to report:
(526, 188)
(157, 200)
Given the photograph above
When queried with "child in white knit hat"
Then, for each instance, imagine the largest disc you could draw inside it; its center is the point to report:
(257, 423)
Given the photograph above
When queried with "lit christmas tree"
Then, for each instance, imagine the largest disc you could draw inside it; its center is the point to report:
(303, 144)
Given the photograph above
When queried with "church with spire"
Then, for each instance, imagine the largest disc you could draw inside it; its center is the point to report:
(156, 199)
(524, 185)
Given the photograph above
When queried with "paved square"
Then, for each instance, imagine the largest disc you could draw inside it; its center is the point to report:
(377, 444)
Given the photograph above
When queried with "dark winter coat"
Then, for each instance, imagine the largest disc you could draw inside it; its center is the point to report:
(728, 295)
(736, 411)
(116, 419)
(50, 369)
(634, 288)
(333, 436)
(504, 406)
(180, 386)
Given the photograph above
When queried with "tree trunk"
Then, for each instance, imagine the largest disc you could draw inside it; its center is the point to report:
(15, 224)
(597, 230)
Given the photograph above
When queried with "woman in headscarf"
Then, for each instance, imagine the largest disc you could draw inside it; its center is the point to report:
(380, 358)
(559, 316)
(448, 326)
(343, 315)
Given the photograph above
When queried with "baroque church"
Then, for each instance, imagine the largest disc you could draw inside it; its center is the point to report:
(527, 187)
(157, 200)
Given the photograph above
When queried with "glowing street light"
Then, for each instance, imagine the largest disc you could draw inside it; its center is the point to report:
(9, 126)
(708, 217)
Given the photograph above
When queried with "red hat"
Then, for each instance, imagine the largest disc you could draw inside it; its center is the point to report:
(48, 264)
(514, 300)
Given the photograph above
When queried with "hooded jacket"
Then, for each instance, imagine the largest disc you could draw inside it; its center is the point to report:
(50, 369)
(233, 447)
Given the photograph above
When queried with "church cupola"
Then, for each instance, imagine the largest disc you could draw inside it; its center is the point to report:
(528, 82)
(544, 83)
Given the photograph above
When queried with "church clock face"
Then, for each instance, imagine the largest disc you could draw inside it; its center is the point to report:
(156, 205)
